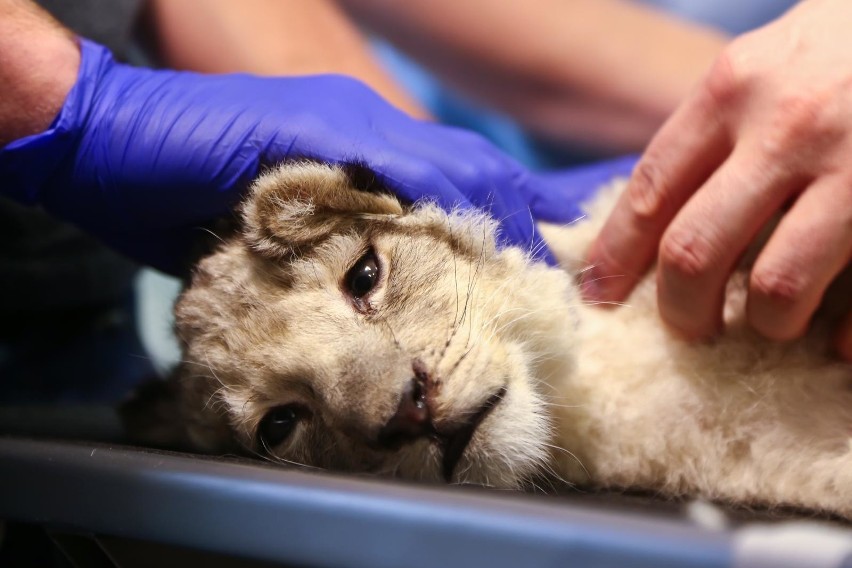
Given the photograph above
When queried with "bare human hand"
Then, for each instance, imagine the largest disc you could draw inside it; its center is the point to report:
(768, 130)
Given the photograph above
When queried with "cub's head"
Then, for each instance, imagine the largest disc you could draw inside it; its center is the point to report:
(344, 330)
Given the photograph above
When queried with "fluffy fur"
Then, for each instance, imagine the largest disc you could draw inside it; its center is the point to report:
(588, 396)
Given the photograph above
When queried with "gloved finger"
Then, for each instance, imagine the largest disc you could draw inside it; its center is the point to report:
(474, 167)
(485, 178)
(516, 225)
(413, 179)
(560, 196)
(539, 250)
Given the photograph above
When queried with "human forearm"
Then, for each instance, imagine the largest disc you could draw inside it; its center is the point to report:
(555, 63)
(269, 37)
(38, 65)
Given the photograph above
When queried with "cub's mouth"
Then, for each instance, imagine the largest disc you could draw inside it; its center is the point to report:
(455, 443)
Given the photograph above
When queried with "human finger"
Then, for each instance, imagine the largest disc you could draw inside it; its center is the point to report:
(807, 251)
(703, 243)
(687, 149)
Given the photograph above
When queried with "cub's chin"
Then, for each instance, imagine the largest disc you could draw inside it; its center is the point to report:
(510, 449)
(504, 443)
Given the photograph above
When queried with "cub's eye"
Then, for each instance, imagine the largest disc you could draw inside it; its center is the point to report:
(277, 425)
(364, 276)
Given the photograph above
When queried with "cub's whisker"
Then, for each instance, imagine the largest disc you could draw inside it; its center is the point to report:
(570, 454)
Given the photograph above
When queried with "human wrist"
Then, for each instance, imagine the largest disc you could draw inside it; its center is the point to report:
(29, 161)
(39, 62)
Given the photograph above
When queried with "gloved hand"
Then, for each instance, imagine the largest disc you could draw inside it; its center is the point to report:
(559, 195)
(141, 157)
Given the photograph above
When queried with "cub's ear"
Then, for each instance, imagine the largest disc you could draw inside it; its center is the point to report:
(293, 208)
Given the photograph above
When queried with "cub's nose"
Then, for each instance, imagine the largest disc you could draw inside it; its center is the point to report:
(412, 419)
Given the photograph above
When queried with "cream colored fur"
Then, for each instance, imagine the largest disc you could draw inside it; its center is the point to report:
(595, 397)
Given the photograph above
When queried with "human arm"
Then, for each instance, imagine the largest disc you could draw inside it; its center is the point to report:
(768, 132)
(142, 158)
(38, 66)
(268, 37)
(603, 73)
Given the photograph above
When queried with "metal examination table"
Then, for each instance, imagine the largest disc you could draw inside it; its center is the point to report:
(103, 504)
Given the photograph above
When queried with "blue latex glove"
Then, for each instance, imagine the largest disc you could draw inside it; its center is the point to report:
(565, 191)
(141, 158)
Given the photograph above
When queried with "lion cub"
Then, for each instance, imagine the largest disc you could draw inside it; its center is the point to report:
(342, 329)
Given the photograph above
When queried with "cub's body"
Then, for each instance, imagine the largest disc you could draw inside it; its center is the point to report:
(472, 364)
(740, 418)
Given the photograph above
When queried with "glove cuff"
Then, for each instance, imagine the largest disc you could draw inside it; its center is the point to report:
(28, 163)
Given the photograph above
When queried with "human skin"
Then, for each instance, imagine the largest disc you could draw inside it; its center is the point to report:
(567, 83)
(601, 73)
(38, 65)
(269, 37)
(768, 131)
